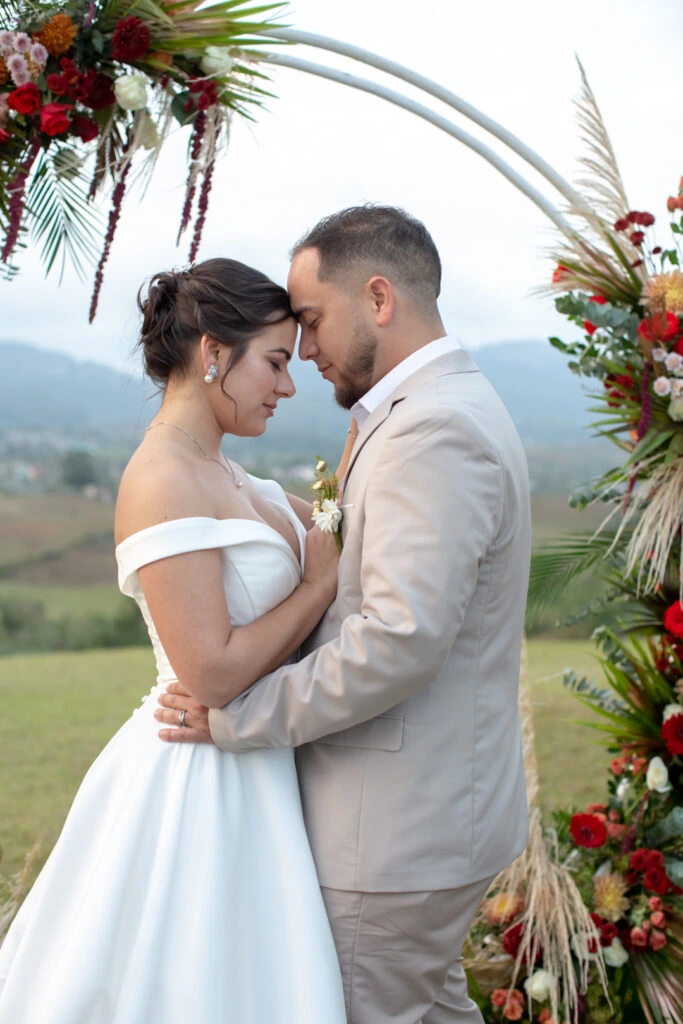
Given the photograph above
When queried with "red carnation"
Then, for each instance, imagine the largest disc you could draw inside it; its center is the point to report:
(98, 91)
(54, 119)
(84, 128)
(608, 931)
(25, 99)
(673, 619)
(130, 40)
(672, 733)
(660, 327)
(588, 830)
(655, 879)
(654, 859)
(638, 859)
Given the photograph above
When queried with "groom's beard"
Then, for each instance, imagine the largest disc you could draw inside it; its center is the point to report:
(356, 378)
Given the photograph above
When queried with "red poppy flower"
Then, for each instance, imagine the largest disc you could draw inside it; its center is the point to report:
(25, 99)
(130, 40)
(588, 830)
(672, 734)
(660, 327)
(673, 619)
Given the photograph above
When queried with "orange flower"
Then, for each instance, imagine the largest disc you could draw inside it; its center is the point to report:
(3, 72)
(503, 908)
(57, 34)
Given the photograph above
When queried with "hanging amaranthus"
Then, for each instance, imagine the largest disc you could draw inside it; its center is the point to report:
(114, 215)
(16, 203)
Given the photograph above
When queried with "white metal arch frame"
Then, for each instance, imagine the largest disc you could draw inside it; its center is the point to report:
(575, 200)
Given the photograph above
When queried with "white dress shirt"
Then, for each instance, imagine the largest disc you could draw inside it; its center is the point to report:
(408, 366)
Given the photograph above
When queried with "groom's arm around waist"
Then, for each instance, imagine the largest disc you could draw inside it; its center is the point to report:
(432, 510)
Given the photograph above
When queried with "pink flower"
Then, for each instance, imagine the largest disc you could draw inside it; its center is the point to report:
(615, 831)
(18, 69)
(22, 42)
(655, 903)
(658, 919)
(638, 937)
(38, 54)
(657, 939)
(6, 43)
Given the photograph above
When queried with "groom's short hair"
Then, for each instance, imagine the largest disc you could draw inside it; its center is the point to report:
(364, 240)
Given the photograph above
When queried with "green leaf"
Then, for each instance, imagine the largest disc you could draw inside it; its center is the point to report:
(668, 828)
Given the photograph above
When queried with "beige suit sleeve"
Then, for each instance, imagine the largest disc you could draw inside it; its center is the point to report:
(433, 507)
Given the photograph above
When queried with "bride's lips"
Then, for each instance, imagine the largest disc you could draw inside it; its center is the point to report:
(270, 408)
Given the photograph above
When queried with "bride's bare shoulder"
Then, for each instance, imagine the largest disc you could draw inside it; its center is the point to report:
(158, 485)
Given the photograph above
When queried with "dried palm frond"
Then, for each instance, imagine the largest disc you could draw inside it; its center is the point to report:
(659, 980)
(14, 891)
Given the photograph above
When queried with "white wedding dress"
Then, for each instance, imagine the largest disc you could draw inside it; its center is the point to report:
(182, 889)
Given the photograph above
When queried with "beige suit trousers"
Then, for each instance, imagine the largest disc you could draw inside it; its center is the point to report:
(399, 954)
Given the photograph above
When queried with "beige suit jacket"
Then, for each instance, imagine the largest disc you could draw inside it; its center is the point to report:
(404, 707)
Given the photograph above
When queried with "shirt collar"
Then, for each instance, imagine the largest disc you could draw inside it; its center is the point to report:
(406, 368)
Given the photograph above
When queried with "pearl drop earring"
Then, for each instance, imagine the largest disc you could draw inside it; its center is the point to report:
(212, 374)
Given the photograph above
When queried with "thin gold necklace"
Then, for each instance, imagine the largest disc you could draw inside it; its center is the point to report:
(224, 465)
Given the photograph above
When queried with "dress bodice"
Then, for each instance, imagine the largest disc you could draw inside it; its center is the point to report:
(260, 568)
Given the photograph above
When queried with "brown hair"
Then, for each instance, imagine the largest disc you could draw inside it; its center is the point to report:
(377, 240)
(224, 299)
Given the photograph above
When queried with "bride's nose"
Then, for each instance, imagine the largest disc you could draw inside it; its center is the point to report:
(287, 387)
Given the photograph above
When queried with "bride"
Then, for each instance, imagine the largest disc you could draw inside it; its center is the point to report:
(111, 932)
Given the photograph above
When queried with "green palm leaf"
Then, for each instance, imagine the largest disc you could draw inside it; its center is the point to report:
(62, 219)
(556, 564)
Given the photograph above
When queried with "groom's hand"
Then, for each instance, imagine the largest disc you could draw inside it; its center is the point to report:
(196, 727)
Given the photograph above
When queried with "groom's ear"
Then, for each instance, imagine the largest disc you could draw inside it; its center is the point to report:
(381, 296)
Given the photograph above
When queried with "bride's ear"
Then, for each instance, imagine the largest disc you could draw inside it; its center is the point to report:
(209, 351)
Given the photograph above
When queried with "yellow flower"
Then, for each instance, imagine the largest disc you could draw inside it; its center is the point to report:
(664, 293)
(610, 896)
(503, 908)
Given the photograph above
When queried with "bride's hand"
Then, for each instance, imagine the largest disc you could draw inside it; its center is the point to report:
(322, 559)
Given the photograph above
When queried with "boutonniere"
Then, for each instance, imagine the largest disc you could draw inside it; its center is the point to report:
(327, 514)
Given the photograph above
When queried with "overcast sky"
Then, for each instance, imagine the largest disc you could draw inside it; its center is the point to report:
(320, 146)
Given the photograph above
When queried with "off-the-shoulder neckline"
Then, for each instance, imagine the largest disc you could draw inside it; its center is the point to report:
(205, 519)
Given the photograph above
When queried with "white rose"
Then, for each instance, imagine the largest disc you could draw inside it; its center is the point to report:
(662, 386)
(673, 361)
(675, 410)
(615, 955)
(581, 948)
(216, 61)
(670, 710)
(657, 777)
(538, 986)
(131, 92)
(329, 518)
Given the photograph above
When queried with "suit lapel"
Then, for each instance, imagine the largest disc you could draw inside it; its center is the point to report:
(458, 361)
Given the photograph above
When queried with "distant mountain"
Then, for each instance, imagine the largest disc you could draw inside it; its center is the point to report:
(45, 390)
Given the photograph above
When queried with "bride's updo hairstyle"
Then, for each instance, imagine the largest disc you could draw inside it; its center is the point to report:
(224, 299)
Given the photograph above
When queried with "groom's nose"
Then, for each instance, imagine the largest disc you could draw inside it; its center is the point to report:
(307, 346)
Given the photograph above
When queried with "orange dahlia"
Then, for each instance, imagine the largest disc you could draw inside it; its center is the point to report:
(57, 34)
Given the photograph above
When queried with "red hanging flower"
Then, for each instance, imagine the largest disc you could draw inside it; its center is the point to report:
(673, 619)
(672, 733)
(130, 40)
(54, 119)
(25, 99)
(660, 327)
(588, 830)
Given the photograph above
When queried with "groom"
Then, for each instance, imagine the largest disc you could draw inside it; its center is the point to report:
(404, 707)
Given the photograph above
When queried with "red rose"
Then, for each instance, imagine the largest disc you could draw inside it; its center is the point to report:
(130, 40)
(558, 273)
(638, 859)
(512, 939)
(632, 878)
(624, 380)
(655, 879)
(655, 904)
(657, 940)
(25, 99)
(638, 937)
(588, 830)
(660, 327)
(54, 119)
(84, 128)
(673, 619)
(600, 299)
(654, 859)
(658, 918)
(672, 734)
(678, 346)
(589, 328)
(4, 136)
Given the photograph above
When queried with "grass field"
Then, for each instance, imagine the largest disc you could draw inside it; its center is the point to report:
(59, 710)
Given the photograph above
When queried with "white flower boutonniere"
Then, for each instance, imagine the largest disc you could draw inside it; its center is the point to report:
(327, 514)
